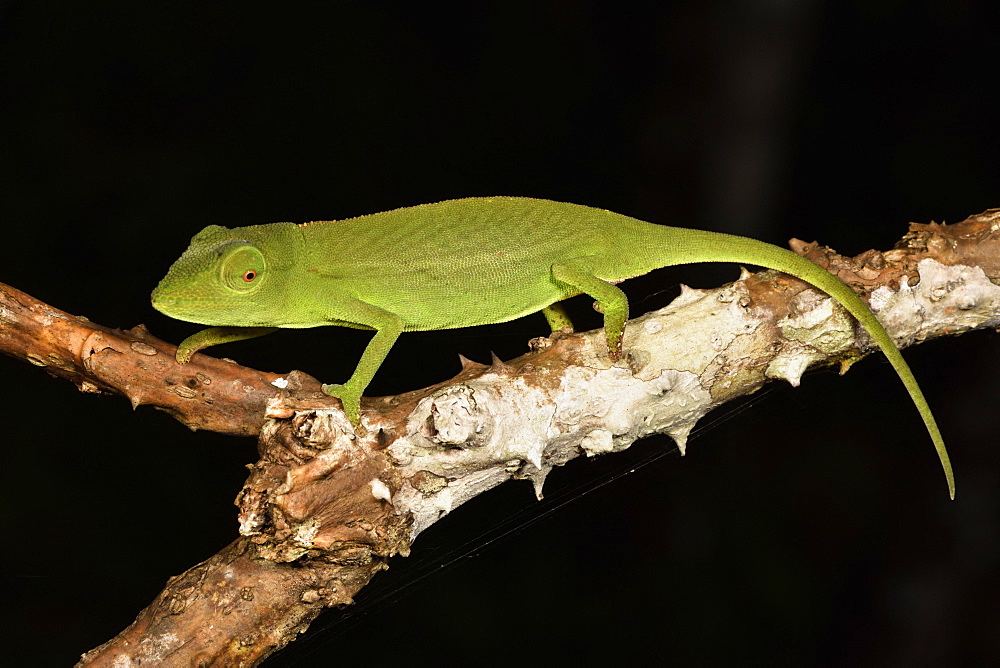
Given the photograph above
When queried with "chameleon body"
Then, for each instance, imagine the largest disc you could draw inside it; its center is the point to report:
(452, 264)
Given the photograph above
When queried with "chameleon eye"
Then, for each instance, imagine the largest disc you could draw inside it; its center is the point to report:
(243, 268)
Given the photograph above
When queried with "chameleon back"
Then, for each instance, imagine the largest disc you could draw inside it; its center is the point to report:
(460, 262)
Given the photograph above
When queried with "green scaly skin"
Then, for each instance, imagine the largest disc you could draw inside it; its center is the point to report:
(451, 264)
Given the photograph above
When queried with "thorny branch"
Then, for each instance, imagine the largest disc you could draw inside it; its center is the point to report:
(324, 508)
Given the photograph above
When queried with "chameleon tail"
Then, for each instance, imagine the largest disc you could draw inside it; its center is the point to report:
(684, 246)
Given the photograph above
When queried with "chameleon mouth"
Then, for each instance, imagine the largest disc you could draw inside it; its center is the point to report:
(164, 304)
(161, 303)
(201, 311)
(187, 309)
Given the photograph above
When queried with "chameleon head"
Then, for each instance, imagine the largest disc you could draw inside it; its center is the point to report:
(230, 277)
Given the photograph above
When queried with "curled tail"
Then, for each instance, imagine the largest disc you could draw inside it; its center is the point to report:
(684, 246)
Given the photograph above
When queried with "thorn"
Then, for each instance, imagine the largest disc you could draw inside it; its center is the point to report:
(790, 369)
(538, 481)
(680, 436)
(744, 274)
(466, 362)
(687, 295)
(498, 365)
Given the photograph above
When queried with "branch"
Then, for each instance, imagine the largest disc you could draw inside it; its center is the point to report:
(206, 393)
(324, 508)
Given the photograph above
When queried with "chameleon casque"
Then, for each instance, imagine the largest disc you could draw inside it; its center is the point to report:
(456, 263)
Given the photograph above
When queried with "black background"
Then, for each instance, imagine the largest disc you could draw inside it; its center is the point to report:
(812, 528)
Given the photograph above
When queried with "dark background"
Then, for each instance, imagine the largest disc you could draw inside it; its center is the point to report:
(811, 528)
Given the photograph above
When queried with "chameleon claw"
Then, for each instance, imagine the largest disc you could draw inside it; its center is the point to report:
(350, 400)
(185, 352)
(615, 348)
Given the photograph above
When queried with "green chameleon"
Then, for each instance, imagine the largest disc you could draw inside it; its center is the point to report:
(451, 264)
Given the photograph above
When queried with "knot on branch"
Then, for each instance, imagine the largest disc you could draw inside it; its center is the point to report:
(321, 493)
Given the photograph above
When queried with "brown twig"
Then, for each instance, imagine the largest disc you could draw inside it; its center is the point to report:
(207, 393)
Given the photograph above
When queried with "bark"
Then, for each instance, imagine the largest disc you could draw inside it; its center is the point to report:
(325, 508)
(206, 393)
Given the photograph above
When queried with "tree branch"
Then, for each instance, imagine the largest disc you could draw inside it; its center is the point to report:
(207, 393)
(325, 508)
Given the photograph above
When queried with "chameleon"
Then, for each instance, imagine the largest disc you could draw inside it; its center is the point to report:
(457, 263)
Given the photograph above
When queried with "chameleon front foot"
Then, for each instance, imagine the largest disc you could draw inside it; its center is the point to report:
(350, 399)
(214, 336)
(189, 346)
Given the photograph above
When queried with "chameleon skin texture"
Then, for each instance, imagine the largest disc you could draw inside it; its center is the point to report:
(452, 264)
